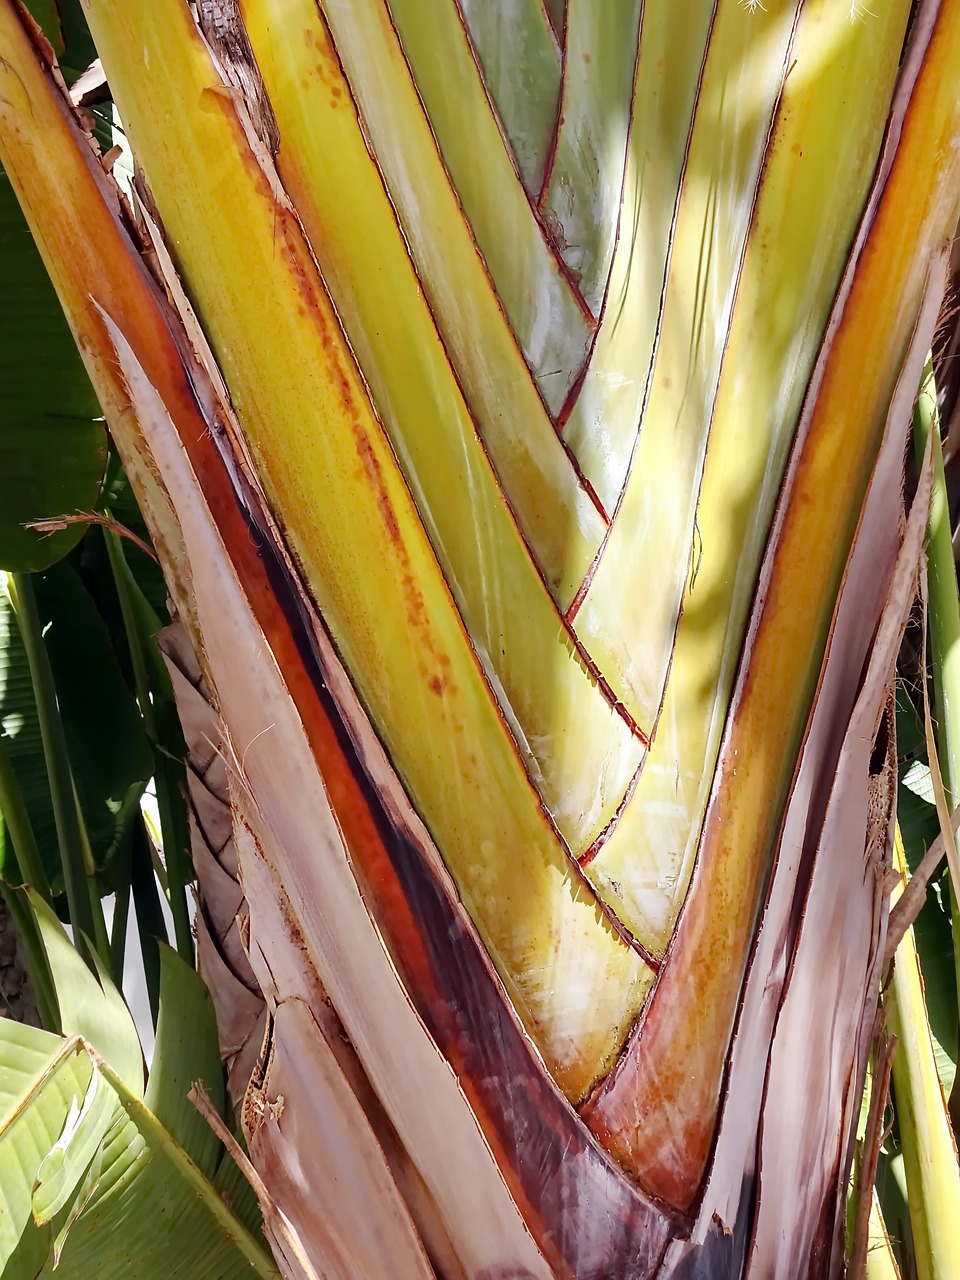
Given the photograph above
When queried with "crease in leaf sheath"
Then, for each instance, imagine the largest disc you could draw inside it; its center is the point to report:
(517, 50)
(603, 420)
(542, 305)
(629, 614)
(582, 201)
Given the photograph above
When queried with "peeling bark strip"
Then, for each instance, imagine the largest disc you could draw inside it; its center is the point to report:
(827, 1016)
(221, 23)
(311, 1125)
(277, 1107)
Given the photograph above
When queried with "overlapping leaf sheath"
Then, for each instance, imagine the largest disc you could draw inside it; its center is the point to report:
(798, 239)
(915, 202)
(506, 340)
(222, 922)
(793, 1157)
(320, 448)
(929, 1145)
(288, 1042)
(449, 1141)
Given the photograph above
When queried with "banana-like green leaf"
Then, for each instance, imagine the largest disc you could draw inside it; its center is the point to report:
(926, 1134)
(919, 827)
(237, 1193)
(186, 1053)
(41, 1078)
(92, 1185)
(88, 1008)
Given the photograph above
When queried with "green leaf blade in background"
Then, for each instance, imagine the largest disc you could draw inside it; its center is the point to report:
(187, 1052)
(138, 1207)
(118, 499)
(919, 827)
(53, 444)
(92, 1009)
(64, 25)
(47, 16)
(104, 728)
(108, 746)
(99, 1179)
(64, 1167)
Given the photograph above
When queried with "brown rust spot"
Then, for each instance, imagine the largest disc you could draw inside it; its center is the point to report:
(374, 473)
(328, 67)
(433, 655)
(415, 610)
